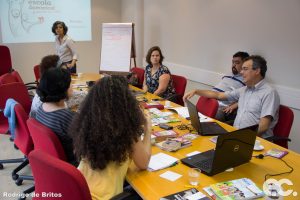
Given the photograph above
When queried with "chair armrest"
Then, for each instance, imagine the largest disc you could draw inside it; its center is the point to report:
(276, 138)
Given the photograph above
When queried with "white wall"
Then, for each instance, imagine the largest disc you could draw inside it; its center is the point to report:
(25, 56)
(198, 38)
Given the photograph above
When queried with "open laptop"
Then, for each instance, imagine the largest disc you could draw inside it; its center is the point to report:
(232, 149)
(203, 128)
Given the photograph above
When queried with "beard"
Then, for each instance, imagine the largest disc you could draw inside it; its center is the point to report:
(234, 71)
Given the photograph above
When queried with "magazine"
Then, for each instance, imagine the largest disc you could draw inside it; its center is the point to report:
(277, 153)
(239, 189)
(190, 194)
(174, 144)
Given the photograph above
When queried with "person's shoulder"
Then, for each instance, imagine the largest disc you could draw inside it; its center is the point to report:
(164, 69)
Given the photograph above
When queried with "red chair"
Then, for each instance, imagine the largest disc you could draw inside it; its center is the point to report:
(44, 139)
(283, 127)
(5, 61)
(54, 176)
(8, 78)
(36, 70)
(140, 75)
(179, 85)
(207, 106)
(24, 143)
(19, 93)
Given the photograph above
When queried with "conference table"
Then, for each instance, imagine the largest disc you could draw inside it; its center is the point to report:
(149, 185)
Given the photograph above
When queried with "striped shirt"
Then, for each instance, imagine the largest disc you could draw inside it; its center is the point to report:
(58, 121)
(229, 83)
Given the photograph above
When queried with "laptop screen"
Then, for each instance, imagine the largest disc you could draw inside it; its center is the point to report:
(194, 117)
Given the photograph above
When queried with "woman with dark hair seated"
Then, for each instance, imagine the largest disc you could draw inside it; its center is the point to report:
(53, 89)
(107, 136)
(158, 79)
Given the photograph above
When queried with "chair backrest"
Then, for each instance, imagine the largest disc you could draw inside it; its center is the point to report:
(44, 139)
(179, 85)
(140, 74)
(10, 77)
(284, 125)
(5, 61)
(22, 136)
(52, 175)
(16, 91)
(17, 76)
(36, 70)
(207, 106)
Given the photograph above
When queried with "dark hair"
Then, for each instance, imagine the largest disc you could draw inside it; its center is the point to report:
(109, 123)
(48, 62)
(65, 28)
(148, 56)
(54, 85)
(258, 62)
(241, 54)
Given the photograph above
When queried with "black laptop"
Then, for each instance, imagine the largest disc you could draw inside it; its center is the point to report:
(232, 149)
(203, 128)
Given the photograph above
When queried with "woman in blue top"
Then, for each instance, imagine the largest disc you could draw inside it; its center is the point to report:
(158, 78)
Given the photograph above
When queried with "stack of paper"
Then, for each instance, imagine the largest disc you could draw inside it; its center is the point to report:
(161, 161)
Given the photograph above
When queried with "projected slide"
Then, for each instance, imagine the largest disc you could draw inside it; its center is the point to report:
(24, 21)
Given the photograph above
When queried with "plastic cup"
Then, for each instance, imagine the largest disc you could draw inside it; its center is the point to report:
(194, 176)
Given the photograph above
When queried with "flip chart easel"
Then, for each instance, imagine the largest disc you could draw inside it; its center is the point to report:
(118, 48)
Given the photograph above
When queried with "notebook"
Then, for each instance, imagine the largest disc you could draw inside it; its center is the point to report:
(232, 149)
(203, 128)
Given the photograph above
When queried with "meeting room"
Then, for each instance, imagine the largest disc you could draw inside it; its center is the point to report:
(157, 99)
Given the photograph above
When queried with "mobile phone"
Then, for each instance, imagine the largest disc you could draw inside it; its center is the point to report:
(165, 126)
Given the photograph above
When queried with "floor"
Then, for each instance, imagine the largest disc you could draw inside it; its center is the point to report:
(8, 189)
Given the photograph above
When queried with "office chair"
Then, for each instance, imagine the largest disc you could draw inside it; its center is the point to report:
(19, 93)
(179, 85)
(55, 176)
(140, 72)
(207, 106)
(24, 143)
(44, 139)
(283, 127)
(36, 70)
(5, 61)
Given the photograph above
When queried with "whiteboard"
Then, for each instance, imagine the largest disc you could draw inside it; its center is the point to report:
(116, 48)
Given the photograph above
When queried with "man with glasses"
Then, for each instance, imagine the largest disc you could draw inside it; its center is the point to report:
(258, 102)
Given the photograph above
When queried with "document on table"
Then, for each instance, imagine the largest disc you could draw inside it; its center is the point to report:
(161, 161)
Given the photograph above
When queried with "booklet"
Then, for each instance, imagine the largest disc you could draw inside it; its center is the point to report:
(161, 161)
(163, 135)
(239, 189)
(277, 153)
(190, 194)
(174, 144)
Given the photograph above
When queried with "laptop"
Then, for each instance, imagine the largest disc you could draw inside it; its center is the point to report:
(203, 128)
(232, 149)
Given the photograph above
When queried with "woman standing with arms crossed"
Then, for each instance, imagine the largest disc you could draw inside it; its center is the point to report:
(107, 136)
(64, 46)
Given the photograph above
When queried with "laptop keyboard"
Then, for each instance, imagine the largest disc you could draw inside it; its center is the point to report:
(205, 164)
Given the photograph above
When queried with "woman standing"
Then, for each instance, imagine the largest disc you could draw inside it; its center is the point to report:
(64, 46)
(158, 78)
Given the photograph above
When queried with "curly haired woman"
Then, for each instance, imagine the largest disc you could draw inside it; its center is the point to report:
(107, 136)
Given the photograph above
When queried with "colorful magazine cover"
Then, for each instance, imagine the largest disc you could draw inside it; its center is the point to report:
(239, 189)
